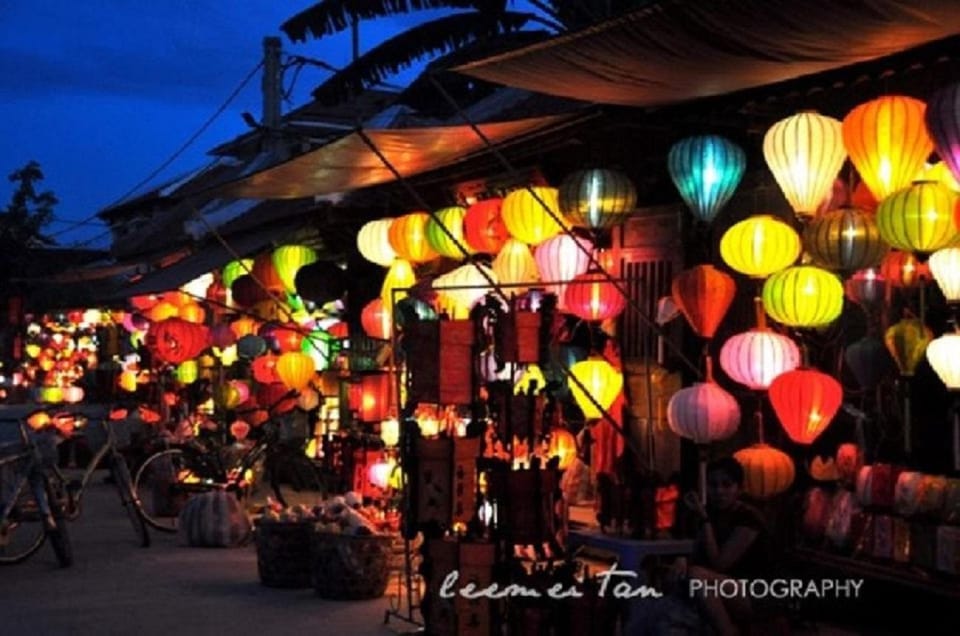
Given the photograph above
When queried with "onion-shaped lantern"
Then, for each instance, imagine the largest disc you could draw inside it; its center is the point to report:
(560, 259)
(767, 471)
(945, 267)
(942, 118)
(867, 288)
(803, 296)
(175, 340)
(463, 287)
(919, 218)
(597, 199)
(706, 170)
(400, 276)
(756, 357)
(887, 142)
(525, 217)
(844, 240)
(288, 259)
(907, 341)
(805, 152)
(451, 219)
(234, 270)
(483, 226)
(944, 356)
(805, 401)
(592, 296)
(373, 241)
(295, 370)
(904, 269)
(375, 319)
(703, 294)
(759, 246)
(515, 265)
(600, 379)
(703, 413)
(868, 360)
(408, 238)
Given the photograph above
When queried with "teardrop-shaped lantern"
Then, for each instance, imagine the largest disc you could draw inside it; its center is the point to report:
(945, 267)
(601, 379)
(942, 118)
(759, 246)
(560, 259)
(844, 240)
(767, 472)
(867, 288)
(452, 219)
(288, 259)
(805, 401)
(295, 370)
(400, 276)
(597, 198)
(887, 141)
(234, 270)
(463, 287)
(375, 319)
(408, 238)
(803, 296)
(703, 413)
(918, 218)
(756, 357)
(868, 360)
(903, 269)
(944, 356)
(483, 226)
(525, 217)
(592, 296)
(373, 241)
(515, 265)
(907, 341)
(706, 170)
(703, 294)
(805, 152)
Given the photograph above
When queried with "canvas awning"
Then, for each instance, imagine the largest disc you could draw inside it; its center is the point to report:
(349, 163)
(677, 50)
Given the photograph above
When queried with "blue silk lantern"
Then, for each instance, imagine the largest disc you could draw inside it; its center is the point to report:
(251, 346)
(706, 170)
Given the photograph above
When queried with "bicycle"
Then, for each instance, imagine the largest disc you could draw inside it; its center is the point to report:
(30, 510)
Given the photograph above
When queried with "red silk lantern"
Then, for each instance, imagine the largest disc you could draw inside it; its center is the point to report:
(376, 320)
(867, 288)
(175, 340)
(483, 226)
(295, 370)
(755, 358)
(805, 401)
(902, 269)
(339, 330)
(703, 293)
(265, 369)
(370, 397)
(592, 296)
(288, 338)
(144, 303)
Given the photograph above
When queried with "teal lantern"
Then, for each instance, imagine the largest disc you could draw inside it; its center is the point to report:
(706, 170)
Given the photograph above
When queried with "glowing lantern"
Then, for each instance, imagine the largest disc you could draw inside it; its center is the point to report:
(944, 356)
(376, 320)
(759, 246)
(754, 358)
(390, 432)
(308, 400)
(379, 474)
(266, 275)
(563, 445)
(597, 199)
(370, 397)
(868, 360)
(373, 241)
(234, 270)
(162, 311)
(600, 379)
(887, 142)
(531, 378)
(525, 217)
(906, 341)
(451, 219)
(187, 372)
(706, 170)
(92, 317)
(483, 227)
(945, 266)
(902, 269)
(245, 326)
(805, 401)
(37, 421)
(408, 238)
(805, 152)
(286, 338)
(128, 381)
(560, 259)
(866, 288)
(288, 259)
(844, 240)
(295, 370)
(591, 296)
(275, 398)
(400, 276)
(515, 265)
(239, 429)
(175, 341)
(192, 312)
(320, 346)
(703, 413)
(72, 394)
(803, 296)
(918, 218)
(144, 303)
(940, 173)
(942, 118)
(767, 471)
(703, 294)
(227, 355)
(464, 286)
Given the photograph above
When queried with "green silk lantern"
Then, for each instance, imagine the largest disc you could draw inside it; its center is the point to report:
(288, 259)
(919, 218)
(803, 296)
(187, 372)
(452, 220)
(235, 269)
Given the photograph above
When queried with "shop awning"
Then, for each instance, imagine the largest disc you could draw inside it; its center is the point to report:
(349, 163)
(677, 50)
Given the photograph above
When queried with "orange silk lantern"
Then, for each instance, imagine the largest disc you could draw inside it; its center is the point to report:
(295, 370)
(162, 311)
(703, 294)
(193, 312)
(563, 445)
(370, 397)
(483, 226)
(903, 269)
(592, 296)
(805, 401)
(408, 238)
(376, 320)
(266, 275)
(767, 471)
(244, 327)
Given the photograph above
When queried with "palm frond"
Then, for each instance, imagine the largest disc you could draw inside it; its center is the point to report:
(429, 39)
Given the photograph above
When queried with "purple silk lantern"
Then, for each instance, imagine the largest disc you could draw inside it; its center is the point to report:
(943, 124)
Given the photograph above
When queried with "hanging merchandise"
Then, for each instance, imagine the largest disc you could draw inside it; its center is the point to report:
(903, 269)
(451, 219)
(844, 240)
(805, 401)
(945, 267)
(234, 270)
(597, 199)
(560, 259)
(942, 119)
(703, 294)
(515, 265)
(399, 277)
(706, 170)
(408, 238)
(526, 218)
(373, 242)
(703, 413)
(461, 288)
(601, 380)
(907, 341)
(483, 226)
(919, 218)
(288, 259)
(767, 471)
(867, 288)
(592, 296)
(756, 357)
(869, 361)
(376, 320)
(803, 296)
(943, 354)
(759, 246)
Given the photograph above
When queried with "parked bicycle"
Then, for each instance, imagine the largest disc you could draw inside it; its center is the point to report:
(30, 509)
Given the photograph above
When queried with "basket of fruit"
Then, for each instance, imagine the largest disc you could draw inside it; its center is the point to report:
(283, 538)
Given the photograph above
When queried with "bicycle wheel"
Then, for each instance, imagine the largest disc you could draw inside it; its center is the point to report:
(128, 497)
(56, 528)
(162, 486)
(22, 532)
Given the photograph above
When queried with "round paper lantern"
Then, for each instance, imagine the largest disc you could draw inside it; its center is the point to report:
(754, 358)
(805, 152)
(373, 241)
(759, 246)
(918, 218)
(463, 287)
(868, 360)
(244, 326)
(162, 311)
(187, 372)
(945, 267)
(805, 401)
(376, 320)
(597, 198)
(906, 341)
(703, 294)
(408, 238)
(264, 369)
(887, 142)
(286, 338)
(515, 265)
(72, 394)
(942, 119)
(251, 346)
(308, 400)
(867, 288)
(227, 396)
(593, 297)
(483, 226)
(844, 240)
(288, 259)
(703, 413)
(266, 275)
(192, 312)
(903, 269)
(234, 270)
(525, 217)
(601, 379)
(563, 445)
(803, 296)
(944, 356)
(706, 170)
(767, 471)
(560, 259)
(400, 276)
(440, 241)
(322, 347)
(295, 370)
(175, 340)
(321, 282)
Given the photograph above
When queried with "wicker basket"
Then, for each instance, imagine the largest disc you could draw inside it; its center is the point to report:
(350, 567)
(284, 553)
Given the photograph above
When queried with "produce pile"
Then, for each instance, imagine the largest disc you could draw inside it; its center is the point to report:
(341, 514)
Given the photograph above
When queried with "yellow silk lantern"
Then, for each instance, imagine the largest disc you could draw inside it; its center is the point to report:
(192, 312)
(408, 238)
(888, 142)
(288, 259)
(805, 152)
(295, 370)
(373, 241)
(919, 218)
(515, 264)
(939, 172)
(463, 287)
(601, 379)
(525, 216)
(907, 341)
(945, 266)
(803, 296)
(400, 276)
(234, 270)
(163, 310)
(944, 356)
(451, 219)
(759, 246)
(532, 377)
